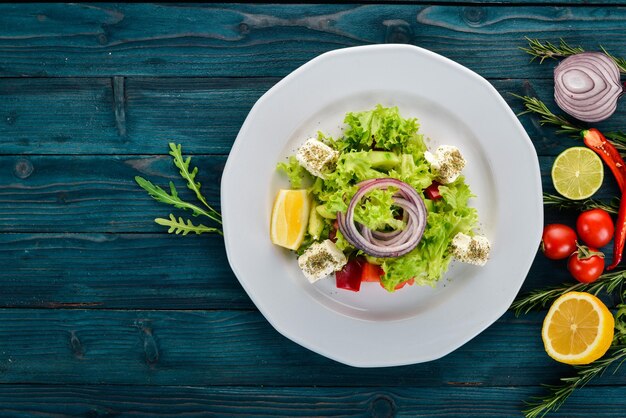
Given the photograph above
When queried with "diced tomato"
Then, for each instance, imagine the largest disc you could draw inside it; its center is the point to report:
(332, 235)
(371, 272)
(349, 277)
(432, 191)
(410, 282)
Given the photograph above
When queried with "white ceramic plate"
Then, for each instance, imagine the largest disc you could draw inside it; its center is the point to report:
(455, 106)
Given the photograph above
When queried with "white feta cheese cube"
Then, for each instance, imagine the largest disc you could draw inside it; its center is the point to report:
(321, 259)
(316, 157)
(472, 250)
(447, 162)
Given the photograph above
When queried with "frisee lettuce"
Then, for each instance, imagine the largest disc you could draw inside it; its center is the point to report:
(294, 171)
(430, 259)
(398, 153)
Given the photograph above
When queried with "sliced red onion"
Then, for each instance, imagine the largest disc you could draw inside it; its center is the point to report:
(386, 244)
(587, 86)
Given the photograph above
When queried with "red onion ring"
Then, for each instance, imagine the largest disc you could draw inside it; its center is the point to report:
(587, 86)
(386, 244)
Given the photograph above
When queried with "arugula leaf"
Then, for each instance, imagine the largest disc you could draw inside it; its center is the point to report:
(171, 198)
(188, 173)
(180, 227)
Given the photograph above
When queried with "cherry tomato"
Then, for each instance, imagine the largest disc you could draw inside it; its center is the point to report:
(558, 241)
(595, 227)
(586, 264)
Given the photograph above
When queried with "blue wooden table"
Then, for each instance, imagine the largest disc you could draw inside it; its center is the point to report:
(102, 313)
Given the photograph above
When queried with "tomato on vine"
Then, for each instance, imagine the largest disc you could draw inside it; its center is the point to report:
(558, 241)
(586, 264)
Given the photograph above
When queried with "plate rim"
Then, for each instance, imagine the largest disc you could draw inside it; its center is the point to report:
(224, 192)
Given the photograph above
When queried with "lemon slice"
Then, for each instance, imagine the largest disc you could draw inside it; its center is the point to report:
(578, 329)
(577, 173)
(290, 216)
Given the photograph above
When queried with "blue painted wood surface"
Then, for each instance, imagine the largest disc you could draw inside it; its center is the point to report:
(103, 314)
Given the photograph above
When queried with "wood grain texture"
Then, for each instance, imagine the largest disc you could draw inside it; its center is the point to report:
(124, 271)
(99, 194)
(104, 314)
(94, 194)
(144, 271)
(272, 40)
(87, 237)
(77, 115)
(225, 348)
(41, 401)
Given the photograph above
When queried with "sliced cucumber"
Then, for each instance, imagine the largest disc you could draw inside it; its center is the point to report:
(383, 160)
(324, 213)
(316, 223)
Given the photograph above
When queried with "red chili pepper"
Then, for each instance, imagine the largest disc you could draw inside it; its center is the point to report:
(620, 234)
(595, 141)
(598, 143)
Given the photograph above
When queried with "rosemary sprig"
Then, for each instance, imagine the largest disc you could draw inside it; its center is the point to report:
(618, 138)
(544, 50)
(180, 227)
(160, 195)
(560, 202)
(547, 117)
(621, 62)
(540, 298)
(540, 406)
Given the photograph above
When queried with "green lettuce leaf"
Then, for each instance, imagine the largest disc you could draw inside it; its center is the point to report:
(379, 143)
(429, 261)
(294, 171)
(382, 127)
(376, 210)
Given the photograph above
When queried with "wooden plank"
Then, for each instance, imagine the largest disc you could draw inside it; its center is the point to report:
(99, 194)
(271, 40)
(127, 271)
(143, 271)
(94, 194)
(228, 348)
(77, 116)
(176, 401)
(98, 232)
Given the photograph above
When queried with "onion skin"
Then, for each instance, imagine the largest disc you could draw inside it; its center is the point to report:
(587, 86)
(386, 244)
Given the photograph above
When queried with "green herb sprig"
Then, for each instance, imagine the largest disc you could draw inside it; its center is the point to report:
(608, 282)
(560, 202)
(188, 173)
(544, 50)
(540, 298)
(180, 227)
(547, 50)
(547, 117)
(558, 394)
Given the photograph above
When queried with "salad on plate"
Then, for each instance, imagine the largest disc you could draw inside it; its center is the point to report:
(376, 205)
